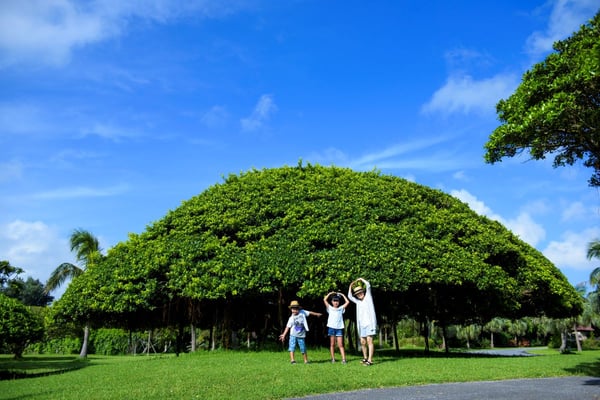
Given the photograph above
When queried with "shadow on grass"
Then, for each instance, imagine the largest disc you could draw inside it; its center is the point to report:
(32, 367)
(589, 369)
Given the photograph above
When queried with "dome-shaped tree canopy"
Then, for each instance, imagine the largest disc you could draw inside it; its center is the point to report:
(307, 230)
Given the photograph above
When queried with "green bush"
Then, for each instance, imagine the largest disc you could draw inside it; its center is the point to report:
(19, 326)
(55, 346)
(590, 344)
(109, 342)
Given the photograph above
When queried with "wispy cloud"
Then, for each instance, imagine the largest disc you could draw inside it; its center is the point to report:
(463, 94)
(21, 118)
(216, 117)
(566, 17)
(10, 171)
(421, 155)
(260, 115)
(111, 132)
(574, 211)
(81, 191)
(47, 31)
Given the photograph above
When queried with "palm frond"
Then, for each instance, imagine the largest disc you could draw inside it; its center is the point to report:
(63, 272)
(85, 245)
(593, 249)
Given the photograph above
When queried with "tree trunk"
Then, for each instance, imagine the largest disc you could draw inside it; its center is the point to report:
(396, 343)
(492, 340)
(426, 335)
(444, 336)
(193, 340)
(577, 337)
(563, 342)
(86, 338)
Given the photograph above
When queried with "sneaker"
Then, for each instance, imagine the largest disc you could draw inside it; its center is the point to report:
(306, 362)
(367, 363)
(292, 362)
(363, 361)
(333, 360)
(344, 362)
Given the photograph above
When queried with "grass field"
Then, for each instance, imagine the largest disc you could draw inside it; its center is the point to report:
(265, 375)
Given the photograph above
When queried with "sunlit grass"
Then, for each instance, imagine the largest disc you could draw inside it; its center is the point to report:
(268, 375)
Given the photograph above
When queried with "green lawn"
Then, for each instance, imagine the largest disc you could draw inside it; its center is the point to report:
(266, 375)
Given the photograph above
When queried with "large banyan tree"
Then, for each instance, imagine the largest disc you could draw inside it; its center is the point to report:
(236, 254)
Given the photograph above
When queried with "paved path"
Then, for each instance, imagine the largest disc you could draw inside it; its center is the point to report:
(568, 388)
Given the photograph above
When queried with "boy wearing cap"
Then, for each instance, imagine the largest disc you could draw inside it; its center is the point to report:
(366, 320)
(297, 325)
(335, 322)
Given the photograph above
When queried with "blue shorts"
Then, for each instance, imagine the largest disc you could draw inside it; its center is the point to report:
(301, 343)
(335, 332)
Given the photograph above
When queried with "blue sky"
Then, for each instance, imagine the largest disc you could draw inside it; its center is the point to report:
(113, 113)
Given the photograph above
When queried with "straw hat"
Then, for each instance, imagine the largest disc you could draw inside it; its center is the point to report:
(294, 304)
(357, 289)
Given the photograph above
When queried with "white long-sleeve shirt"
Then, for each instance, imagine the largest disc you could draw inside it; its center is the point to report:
(365, 309)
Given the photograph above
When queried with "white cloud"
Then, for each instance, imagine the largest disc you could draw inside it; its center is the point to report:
(47, 31)
(566, 17)
(526, 228)
(574, 211)
(460, 176)
(35, 247)
(571, 251)
(81, 191)
(260, 115)
(476, 205)
(523, 225)
(463, 94)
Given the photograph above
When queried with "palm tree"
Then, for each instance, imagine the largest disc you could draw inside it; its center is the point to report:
(87, 252)
(594, 252)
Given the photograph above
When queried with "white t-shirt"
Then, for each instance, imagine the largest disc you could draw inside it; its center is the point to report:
(298, 324)
(335, 319)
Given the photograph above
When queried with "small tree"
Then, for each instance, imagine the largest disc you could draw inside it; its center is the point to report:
(18, 326)
(87, 250)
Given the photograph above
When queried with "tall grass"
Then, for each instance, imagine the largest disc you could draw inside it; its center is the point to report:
(269, 375)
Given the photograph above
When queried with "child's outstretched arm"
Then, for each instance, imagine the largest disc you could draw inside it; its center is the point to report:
(308, 313)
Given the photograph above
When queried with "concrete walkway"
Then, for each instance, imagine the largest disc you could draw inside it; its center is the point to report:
(568, 388)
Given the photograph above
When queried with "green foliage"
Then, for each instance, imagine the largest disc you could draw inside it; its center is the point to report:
(29, 292)
(18, 326)
(242, 249)
(556, 109)
(66, 345)
(109, 342)
(10, 283)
